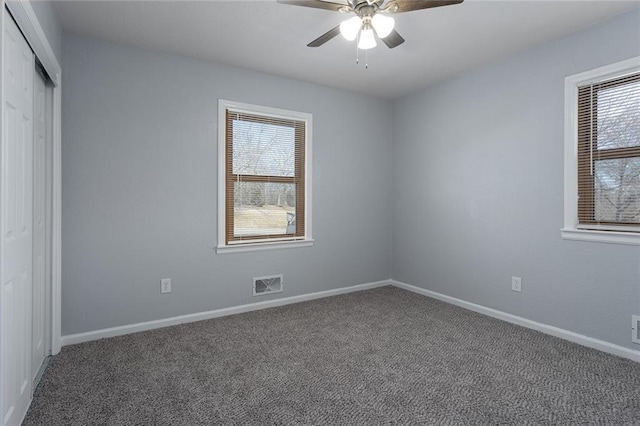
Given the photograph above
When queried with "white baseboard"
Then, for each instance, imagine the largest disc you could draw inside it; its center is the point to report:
(514, 319)
(72, 339)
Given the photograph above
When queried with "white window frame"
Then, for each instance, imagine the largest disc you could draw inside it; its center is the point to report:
(571, 229)
(223, 247)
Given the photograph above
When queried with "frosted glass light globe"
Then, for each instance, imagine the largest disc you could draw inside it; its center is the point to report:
(382, 24)
(349, 28)
(367, 39)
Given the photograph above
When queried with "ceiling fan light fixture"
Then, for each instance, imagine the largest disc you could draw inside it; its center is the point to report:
(367, 39)
(349, 28)
(372, 19)
(382, 24)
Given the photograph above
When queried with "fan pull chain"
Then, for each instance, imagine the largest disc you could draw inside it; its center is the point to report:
(366, 58)
(366, 54)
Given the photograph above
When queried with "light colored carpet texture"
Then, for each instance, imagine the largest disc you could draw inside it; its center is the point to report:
(382, 356)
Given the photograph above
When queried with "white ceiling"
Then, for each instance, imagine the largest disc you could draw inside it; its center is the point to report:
(266, 36)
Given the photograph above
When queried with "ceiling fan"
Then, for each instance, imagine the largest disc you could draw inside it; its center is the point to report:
(371, 19)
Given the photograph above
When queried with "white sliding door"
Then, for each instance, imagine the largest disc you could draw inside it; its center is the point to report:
(40, 323)
(17, 222)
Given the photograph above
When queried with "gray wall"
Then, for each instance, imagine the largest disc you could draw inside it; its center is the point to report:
(50, 25)
(478, 191)
(140, 179)
(477, 179)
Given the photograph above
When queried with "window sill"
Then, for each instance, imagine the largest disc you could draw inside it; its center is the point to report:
(609, 237)
(275, 245)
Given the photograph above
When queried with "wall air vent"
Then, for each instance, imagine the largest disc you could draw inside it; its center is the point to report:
(266, 285)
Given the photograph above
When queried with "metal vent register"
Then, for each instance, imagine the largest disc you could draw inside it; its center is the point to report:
(265, 285)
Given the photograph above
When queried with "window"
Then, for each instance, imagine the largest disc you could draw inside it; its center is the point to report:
(602, 154)
(264, 178)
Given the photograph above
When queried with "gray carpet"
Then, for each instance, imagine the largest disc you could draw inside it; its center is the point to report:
(383, 356)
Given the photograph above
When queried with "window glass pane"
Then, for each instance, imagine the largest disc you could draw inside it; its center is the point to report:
(617, 190)
(619, 116)
(263, 149)
(264, 208)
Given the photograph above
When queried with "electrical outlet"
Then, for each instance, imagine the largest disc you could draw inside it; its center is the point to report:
(635, 328)
(165, 285)
(516, 283)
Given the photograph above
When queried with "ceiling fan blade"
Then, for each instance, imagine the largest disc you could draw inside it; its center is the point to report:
(400, 6)
(325, 37)
(317, 4)
(393, 39)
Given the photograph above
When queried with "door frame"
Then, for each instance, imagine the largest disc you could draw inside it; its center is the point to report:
(27, 21)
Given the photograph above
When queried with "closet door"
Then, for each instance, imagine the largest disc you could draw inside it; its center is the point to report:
(39, 325)
(17, 222)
